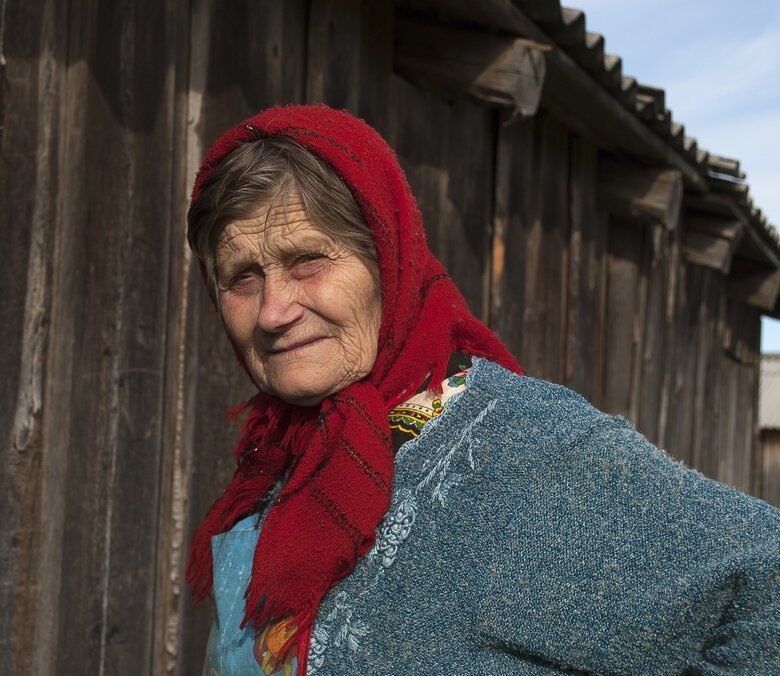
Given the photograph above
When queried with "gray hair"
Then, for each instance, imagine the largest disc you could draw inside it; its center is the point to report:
(266, 171)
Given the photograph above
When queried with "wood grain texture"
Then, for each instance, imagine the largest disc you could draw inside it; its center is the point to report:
(546, 280)
(673, 309)
(515, 203)
(30, 497)
(423, 156)
(334, 48)
(705, 447)
(770, 442)
(188, 74)
(119, 259)
(683, 363)
(447, 154)
(584, 319)
(349, 56)
(623, 340)
(376, 63)
(648, 395)
(256, 55)
(468, 235)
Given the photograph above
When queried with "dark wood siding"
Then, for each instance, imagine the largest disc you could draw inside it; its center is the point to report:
(115, 366)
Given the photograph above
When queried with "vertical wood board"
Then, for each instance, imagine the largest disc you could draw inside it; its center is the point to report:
(623, 308)
(514, 205)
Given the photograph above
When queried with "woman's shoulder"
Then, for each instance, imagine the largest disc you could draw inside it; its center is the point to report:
(530, 410)
(538, 428)
(598, 525)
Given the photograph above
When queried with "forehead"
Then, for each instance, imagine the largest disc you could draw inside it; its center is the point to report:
(271, 227)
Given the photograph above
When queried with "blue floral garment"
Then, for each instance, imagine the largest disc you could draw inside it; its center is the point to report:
(530, 534)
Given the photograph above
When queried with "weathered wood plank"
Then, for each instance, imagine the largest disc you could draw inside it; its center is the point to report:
(648, 398)
(705, 249)
(468, 235)
(454, 189)
(705, 445)
(770, 442)
(586, 263)
(546, 282)
(744, 351)
(737, 455)
(423, 156)
(350, 56)
(640, 314)
(112, 213)
(682, 383)
(730, 470)
(671, 366)
(189, 74)
(376, 63)
(333, 53)
(515, 206)
(625, 257)
(255, 57)
(30, 462)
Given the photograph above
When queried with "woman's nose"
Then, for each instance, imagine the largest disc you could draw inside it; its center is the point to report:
(279, 307)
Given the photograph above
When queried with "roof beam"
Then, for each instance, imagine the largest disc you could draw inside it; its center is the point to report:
(754, 284)
(570, 92)
(709, 240)
(499, 70)
(647, 193)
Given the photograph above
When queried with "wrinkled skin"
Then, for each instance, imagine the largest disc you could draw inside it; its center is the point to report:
(303, 309)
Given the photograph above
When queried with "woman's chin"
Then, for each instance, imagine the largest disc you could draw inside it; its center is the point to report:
(303, 397)
(307, 382)
(302, 389)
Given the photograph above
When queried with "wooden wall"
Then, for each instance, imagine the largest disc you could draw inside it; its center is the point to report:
(770, 442)
(117, 372)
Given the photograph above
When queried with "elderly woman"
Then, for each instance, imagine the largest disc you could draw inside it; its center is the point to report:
(405, 499)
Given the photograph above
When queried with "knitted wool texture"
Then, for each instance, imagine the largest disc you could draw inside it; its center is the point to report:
(338, 455)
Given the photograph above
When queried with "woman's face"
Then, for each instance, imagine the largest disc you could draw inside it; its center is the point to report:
(303, 309)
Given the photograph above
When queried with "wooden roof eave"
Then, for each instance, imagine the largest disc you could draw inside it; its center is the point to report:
(570, 91)
(754, 279)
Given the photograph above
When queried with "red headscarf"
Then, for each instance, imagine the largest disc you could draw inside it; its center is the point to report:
(339, 455)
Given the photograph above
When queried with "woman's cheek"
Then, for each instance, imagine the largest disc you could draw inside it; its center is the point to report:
(239, 312)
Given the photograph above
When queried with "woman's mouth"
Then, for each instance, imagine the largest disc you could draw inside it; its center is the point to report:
(297, 345)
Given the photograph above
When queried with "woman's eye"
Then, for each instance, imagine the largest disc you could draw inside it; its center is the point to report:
(246, 282)
(308, 264)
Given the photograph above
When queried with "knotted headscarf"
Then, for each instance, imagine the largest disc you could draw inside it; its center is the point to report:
(339, 455)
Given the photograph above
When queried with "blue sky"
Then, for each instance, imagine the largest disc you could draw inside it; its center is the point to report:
(719, 62)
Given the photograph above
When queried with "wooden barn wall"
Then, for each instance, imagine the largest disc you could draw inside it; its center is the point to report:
(117, 372)
(770, 443)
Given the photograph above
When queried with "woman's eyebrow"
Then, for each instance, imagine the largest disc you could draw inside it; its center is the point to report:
(311, 243)
(232, 259)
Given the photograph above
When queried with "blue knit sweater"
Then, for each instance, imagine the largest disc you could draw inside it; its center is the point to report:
(531, 534)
